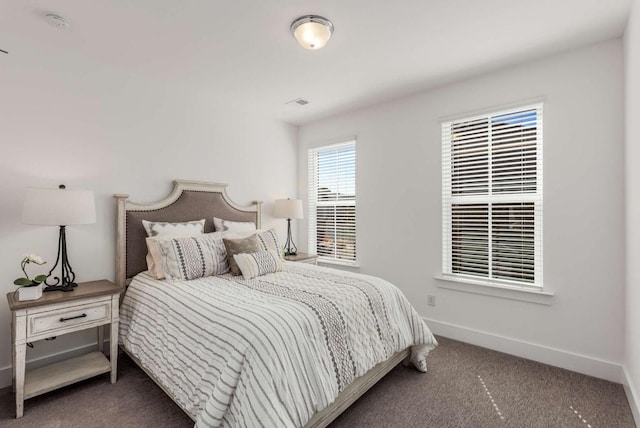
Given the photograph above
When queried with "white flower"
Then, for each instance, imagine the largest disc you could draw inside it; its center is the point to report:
(34, 258)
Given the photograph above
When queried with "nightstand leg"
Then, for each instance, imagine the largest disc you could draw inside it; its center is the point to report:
(19, 357)
(13, 351)
(101, 339)
(113, 356)
(13, 368)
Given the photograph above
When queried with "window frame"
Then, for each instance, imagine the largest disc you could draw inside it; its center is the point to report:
(489, 198)
(313, 201)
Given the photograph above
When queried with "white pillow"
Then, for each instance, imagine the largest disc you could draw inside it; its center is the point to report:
(221, 225)
(259, 263)
(187, 228)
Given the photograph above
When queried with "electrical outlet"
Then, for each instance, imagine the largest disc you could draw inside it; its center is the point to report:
(431, 300)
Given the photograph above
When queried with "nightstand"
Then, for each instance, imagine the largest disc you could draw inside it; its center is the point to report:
(90, 305)
(303, 258)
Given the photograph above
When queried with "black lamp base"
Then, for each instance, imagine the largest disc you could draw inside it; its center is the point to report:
(290, 248)
(66, 280)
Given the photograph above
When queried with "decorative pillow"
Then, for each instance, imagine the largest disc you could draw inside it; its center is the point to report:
(187, 228)
(194, 256)
(168, 231)
(154, 256)
(270, 242)
(221, 225)
(152, 267)
(250, 244)
(260, 263)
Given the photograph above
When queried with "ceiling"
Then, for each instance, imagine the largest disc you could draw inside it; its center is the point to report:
(242, 52)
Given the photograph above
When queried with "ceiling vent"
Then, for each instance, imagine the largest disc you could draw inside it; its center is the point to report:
(58, 21)
(298, 101)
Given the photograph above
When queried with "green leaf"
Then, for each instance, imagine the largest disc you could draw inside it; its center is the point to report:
(40, 278)
(22, 281)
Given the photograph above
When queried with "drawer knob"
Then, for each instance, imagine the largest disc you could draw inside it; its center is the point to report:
(73, 318)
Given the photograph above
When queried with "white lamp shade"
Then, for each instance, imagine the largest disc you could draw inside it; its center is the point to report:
(58, 207)
(288, 208)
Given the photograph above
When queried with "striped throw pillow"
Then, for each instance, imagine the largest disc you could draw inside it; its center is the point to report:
(259, 263)
(269, 241)
(194, 256)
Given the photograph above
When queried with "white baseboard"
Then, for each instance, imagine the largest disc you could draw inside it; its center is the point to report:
(554, 357)
(5, 372)
(632, 395)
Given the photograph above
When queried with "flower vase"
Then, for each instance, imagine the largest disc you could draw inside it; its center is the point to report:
(30, 293)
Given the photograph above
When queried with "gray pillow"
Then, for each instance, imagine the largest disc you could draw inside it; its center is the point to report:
(250, 244)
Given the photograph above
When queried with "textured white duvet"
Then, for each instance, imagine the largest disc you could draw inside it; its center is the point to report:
(271, 351)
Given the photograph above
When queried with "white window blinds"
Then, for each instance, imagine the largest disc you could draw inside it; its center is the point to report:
(332, 202)
(492, 196)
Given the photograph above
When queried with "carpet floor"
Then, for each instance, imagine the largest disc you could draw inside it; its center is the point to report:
(466, 386)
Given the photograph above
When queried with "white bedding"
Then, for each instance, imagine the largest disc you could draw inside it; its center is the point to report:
(270, 351)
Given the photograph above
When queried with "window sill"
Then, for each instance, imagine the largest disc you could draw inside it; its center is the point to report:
(323, 261)
(487, 288)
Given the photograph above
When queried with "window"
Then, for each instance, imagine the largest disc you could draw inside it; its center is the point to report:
(492, 197)
(332, 202)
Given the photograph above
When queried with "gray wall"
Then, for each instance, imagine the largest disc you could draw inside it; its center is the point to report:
(113, 132)
(632, 156)
(399, 208)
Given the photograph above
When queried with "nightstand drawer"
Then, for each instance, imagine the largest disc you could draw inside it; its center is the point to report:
(62, 319)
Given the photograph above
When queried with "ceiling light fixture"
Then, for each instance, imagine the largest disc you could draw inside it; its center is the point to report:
(312, 31)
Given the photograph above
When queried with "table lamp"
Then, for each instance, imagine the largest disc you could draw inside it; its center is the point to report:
(59, 207)
(289, 209)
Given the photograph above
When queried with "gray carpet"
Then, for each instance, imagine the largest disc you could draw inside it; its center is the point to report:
(466, 386)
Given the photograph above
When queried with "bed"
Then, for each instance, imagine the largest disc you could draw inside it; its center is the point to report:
(293, 348)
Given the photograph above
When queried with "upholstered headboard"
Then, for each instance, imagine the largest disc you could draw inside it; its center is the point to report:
(189, 200)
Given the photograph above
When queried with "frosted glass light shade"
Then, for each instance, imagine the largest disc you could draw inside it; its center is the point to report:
(288, 208)
(58, 207)
(312, 31)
